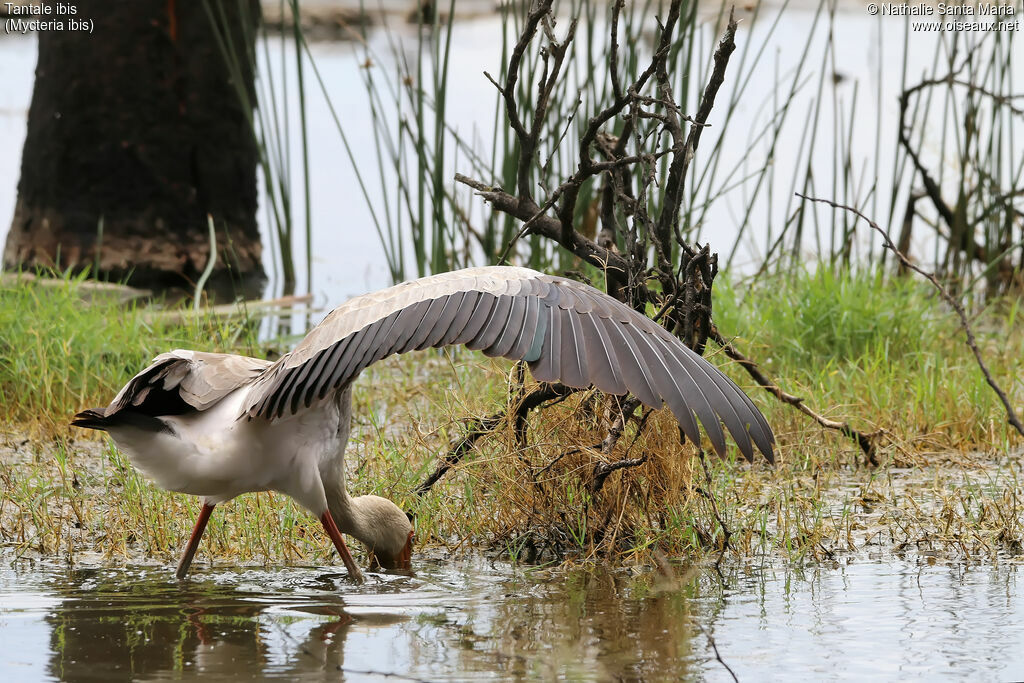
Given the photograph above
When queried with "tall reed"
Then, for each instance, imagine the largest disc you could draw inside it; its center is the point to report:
(268, 105)
(811, 113)
(944, 177)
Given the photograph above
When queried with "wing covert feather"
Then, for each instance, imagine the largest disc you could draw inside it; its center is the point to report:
(195, 380)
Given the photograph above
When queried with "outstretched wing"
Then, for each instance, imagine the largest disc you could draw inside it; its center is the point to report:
(566, 331)
(174, 383)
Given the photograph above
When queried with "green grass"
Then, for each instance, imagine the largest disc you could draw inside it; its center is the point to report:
(947, 486)
(818, 317)
(882, 352)
(64, 348)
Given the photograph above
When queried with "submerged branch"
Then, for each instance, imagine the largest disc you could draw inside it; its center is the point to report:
(718, 656)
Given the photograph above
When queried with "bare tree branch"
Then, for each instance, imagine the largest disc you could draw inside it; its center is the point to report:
(648, 126)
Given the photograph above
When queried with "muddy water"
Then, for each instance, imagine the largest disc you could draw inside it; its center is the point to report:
(478, 620)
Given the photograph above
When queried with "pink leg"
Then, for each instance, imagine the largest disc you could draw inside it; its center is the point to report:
(193, 541)
(332, 530)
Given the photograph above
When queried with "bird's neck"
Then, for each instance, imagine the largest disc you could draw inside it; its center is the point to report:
(344, 509)
(354, 516)
(366, 518)
(341, 506)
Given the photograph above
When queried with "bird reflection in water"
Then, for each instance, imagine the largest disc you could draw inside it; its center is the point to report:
(153, 628)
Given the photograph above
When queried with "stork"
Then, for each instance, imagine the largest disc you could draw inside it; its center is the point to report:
(219, 425)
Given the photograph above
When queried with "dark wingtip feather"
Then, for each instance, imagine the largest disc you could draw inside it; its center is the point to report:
(92, 418)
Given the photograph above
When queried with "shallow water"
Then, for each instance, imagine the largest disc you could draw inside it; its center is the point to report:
(480, 620)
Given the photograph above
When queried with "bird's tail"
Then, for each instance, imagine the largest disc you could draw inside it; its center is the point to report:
(93, 418)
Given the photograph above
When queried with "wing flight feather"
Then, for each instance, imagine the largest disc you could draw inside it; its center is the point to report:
(548, 368)
(493, 327)
(574, 363)
(512, 328)
(566, 331)
(435, 321)
(528, 332)
(604, 365)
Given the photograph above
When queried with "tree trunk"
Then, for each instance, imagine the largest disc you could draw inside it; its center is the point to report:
(136, 132)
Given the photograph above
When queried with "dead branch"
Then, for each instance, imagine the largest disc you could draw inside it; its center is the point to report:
(649, 127)
(1011, 415)
(485, 425)
(603, 469)
(960, 229)
(564, 198)
(626, 409)
(908, 226)
(686, 305)
(542, 224)
(865, 441)
(681, 163)
(931, 187)
(625, 412)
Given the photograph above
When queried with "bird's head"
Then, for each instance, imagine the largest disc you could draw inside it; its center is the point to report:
(386, 531)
